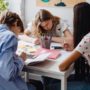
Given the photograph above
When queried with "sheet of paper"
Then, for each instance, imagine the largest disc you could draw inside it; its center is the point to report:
(40, 58)
(25, 47)
(54, 53)
(26, 38)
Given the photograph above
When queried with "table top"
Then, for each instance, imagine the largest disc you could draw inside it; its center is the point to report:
(51, 67)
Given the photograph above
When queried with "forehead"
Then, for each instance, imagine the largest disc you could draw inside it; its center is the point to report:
(45, 22)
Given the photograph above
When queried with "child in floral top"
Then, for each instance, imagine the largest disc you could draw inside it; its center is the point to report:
(81, 39)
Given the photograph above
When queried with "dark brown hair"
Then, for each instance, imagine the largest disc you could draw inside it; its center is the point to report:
(81, 28)
(9, 18)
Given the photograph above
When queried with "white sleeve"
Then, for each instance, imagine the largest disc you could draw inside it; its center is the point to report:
(64, 25)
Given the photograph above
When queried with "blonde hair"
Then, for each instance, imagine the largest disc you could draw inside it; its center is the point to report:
(42, 15)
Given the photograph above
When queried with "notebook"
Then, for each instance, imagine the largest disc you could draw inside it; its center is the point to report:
(38, 59)
(26, 47)
(54, 54)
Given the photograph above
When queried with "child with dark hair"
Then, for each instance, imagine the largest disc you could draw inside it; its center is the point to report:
(81, 53)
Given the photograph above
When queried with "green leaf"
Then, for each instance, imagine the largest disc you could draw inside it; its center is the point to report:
(3, 5)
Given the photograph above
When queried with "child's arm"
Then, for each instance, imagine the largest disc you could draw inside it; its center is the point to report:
(68, 40)
(82, 48)
(67, 35)
(58, 39)
(68, 61)
(11, 65)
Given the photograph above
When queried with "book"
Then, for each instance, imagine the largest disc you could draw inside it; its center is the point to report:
(26, 47)
(38, 59)
(54, 54)
(29, 48)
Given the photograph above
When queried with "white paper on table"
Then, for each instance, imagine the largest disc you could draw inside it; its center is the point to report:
(40, 58)
(25, 47)
(21, 42)
(26, 38)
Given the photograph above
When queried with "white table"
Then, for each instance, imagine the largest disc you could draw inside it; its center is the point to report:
(50, 68)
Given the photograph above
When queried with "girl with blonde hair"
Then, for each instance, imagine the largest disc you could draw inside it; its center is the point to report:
(46, 23)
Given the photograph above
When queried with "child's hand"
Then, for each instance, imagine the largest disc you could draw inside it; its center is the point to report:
(63, 67)
(27, 32)
(23, 56)
(68, 47)
(68, 44)
(37, 41)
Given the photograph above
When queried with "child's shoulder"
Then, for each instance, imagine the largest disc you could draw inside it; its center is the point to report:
(10, 33)
(87, 37)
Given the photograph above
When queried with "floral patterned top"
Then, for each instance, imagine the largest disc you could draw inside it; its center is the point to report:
(84, 47)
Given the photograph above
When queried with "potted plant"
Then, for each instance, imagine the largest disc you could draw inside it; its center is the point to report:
(3, 6)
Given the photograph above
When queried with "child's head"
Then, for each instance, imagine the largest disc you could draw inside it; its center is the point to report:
(44, 21)
(81, 21)
(13, 21)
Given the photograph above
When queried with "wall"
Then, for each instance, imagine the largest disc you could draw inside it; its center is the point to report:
(14, 5)
(31, 9)
(64, 12)
(27, 10)
(18, 7)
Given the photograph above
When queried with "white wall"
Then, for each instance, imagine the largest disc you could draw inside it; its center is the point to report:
(14, 5)
(18, 7)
